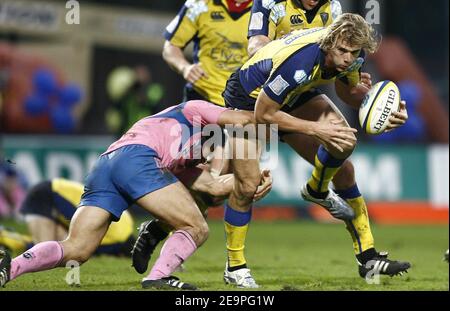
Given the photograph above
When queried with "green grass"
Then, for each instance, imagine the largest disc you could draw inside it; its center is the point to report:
(282, 256)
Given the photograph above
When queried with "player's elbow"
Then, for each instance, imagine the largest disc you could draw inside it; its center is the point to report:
(165, 51)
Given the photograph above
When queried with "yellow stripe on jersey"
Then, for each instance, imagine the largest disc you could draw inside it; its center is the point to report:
(119, 231)
(220, 42)
(69, 190)
(276, 18)
(287, 67)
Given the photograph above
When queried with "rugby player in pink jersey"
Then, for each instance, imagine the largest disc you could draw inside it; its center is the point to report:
(138, 168)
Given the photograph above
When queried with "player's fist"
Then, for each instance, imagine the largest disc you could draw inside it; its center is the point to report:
(193, 72)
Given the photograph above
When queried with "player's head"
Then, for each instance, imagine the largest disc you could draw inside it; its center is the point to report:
(309, 4)
(345, 38)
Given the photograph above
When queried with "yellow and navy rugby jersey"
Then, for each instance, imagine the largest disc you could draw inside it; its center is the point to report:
(290, 66)
(276, 18)
(220, 42)
(67, 195)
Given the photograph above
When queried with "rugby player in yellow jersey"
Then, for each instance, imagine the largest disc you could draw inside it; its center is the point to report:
(48, 209)
(272, 19)
(220, 45)
(275, 84)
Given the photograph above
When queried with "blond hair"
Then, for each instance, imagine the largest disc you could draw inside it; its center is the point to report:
(353, 30)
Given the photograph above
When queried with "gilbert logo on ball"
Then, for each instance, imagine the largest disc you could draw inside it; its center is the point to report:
(377, 107)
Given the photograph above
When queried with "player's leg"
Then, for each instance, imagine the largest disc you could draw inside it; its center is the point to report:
(175, 206)
(87, 229)
(153, 231)
(118, 240)
(327, 160)
(13, 241)
(38, 211)
(345, 186)
(42, 228)
(238, 210)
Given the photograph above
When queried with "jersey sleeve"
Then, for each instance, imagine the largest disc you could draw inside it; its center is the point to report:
(292, 73)
(260, 18)
(203, 111)
(184, 26)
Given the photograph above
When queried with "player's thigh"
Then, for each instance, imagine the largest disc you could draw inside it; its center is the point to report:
(315, 109)
(87, 228)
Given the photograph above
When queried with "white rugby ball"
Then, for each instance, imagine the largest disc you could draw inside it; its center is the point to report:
(377, 106)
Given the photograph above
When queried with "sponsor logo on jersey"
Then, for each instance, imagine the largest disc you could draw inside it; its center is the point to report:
(324, 17)
(278, 85)
(28, 255)
(217, 16)
(296, 19)
(300, 76)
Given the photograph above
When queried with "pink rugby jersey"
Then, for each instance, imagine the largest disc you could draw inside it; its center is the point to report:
(173, 132)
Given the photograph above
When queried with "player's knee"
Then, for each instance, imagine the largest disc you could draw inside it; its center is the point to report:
(199, 233)
(203, 233)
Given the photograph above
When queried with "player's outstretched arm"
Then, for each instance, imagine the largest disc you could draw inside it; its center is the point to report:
(235, 117)
(215, 186)
(221, 186)
(334, 133)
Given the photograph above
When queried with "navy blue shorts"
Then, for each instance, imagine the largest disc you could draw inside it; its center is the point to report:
(122, 176)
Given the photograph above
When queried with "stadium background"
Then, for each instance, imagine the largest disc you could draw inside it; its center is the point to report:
(82, 68)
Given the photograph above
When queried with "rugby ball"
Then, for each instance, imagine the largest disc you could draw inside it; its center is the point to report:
(377, 106)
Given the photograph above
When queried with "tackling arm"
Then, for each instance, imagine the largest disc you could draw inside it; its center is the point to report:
(335, 133)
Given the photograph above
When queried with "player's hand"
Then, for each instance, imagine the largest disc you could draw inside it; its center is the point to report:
(265, 186)
(399, 118)
(335, 134)
(364, 85)
(193, 72)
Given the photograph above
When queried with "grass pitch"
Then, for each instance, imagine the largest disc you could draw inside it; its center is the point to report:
(282, 256)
